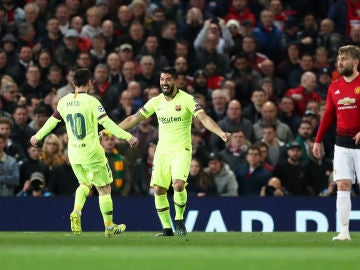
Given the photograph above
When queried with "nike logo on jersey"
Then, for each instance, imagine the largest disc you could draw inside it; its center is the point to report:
(337, 92)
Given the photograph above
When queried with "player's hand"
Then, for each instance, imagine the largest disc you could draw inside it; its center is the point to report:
(357, 138)
(226, 137)
(33, 141)
(133, 142)
(317, 151)
(105, 133)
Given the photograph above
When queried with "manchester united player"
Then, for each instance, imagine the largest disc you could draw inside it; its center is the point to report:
(343, 104)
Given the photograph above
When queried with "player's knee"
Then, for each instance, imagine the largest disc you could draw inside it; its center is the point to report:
(344, 185)
(178, 186)
(159, 190)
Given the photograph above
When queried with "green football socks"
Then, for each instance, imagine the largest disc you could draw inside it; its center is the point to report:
(106, 208)
(180, 199)
(163, 210)
(80, 198)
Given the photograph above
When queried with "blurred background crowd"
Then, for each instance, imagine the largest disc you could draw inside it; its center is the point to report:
(259, 68)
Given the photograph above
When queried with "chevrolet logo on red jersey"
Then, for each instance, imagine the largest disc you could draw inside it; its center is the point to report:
(178, 108)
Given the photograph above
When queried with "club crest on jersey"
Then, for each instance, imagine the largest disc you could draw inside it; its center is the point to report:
(101, 109)
(357, 90)
(178, 108)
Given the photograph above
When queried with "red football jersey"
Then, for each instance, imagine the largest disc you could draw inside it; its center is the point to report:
(342, 104)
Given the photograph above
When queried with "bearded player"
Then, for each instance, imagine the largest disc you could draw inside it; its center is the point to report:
(343, 105)
(174, 109)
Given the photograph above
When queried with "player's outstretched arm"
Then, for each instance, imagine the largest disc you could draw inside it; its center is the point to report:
(131, 121)
(210, 124)
(49, 125)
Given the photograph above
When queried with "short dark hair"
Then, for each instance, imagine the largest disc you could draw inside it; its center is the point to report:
(82, 77)
(170, 70)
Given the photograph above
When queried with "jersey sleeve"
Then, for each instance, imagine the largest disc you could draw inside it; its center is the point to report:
(149, 108)
(107, 123)
(194, 105)
(49, 125)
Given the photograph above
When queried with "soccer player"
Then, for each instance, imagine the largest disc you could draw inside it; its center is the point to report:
(174, 109)
(343, 104)
(82, 113)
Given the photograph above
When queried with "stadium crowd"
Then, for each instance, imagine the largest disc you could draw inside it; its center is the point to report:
(260, 69)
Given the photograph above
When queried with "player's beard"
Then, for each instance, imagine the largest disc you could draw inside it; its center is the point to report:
(168, 92)
(347, 71)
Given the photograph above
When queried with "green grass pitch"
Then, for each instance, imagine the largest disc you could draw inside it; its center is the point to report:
(198, 250)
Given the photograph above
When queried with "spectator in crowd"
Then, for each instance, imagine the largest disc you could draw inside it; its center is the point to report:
(217, 27)
(97, 51)
(52, 151)
(264, 148)
(44, 60)
(275, 146)
(53, 39)
(120, 170)
(142, 171)
(148, 76)
(329, 39)
(21, 132)
(270, 39)
(135, 37)
(252, 175)
(308, 34)
(293, 173)
(128, 73)
(123, 20)
(41, 114)
(9, 171)
(267, 70)
(84, 60)
(9, 45)
(244, 76)
(323, 82)
(124, 108)
(290, 63)
(239, 11)
(273, 188)
(320, 170)
(269, 117)
(200, 84)
(3, 63)
(321, 58)
(287, 114)
(77, 23)
(146, 133)
(32, 84)
(35, 187)
(9, 96)
(93, 26)
(151, 47)
(217, 111)
(231, 122)
(11, 147)
(235, 150)
(223, 177)
(68, 88)
(62, 13)
(200, 183)
(304, 92)
(67, 55)
(304, 136)
(114, 66)
(108, 32)
(31, 164)
(109, 94)
(306, 63)
(18, 70)
(200, 150)
(253, 110)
